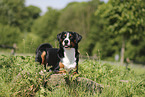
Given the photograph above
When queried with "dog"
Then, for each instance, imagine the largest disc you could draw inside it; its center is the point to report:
(68, 49)
(66, 56)
(39, 50)
(46, 55)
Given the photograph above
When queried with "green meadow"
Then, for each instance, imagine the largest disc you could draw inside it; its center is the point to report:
(21, 76)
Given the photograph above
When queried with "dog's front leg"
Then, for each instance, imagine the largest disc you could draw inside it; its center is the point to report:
(43, 55)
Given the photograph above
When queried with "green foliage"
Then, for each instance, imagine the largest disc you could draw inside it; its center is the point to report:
(74, 18)
(33, 11)
(79, 17)
(29, 15)
(46, 24)
(29, 43)
(124, 17)
(11, 11)
(14, 13)
(102, 26)
(16, 20)
(21, 76)
(137, 46)
(111, 77)
(9, 35)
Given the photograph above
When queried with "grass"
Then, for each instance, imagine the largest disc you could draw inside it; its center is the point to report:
(21, 76)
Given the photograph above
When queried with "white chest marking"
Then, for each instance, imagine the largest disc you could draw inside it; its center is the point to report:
(69, 60)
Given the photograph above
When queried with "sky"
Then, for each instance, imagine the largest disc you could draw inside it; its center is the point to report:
(57, 4)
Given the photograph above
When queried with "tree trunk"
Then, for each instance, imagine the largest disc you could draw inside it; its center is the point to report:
(122, 50)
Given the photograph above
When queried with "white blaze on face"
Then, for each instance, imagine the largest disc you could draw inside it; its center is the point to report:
(67, 38)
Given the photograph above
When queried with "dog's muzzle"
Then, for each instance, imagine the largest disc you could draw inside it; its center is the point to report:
(66, 43)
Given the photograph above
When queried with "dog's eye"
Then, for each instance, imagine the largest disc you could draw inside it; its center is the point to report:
(64, 36)
(71, 37)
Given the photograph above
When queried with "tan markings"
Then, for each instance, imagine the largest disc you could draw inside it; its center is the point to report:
(61, 65)
(75, 73)
(75, 41)
(43, 57)
(62, 71)
(76, 67)
(73, 44)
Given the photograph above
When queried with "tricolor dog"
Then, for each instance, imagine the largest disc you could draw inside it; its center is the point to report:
(66, 56)
(68, 50)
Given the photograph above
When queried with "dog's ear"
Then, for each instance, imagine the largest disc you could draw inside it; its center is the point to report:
(78, 37)
(59, 36)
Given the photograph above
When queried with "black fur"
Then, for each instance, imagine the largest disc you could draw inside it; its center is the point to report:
(54, 55)
(76, 39)
(60, 38)
(40, 49)
(51, 56)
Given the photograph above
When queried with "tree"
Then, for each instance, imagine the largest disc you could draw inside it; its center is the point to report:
(79, 17)
(136, 50)
(125, 18)
(9, 35)
(46, 26)
(14, 13)
(16, 21)
(74, 18)
(10, 11)
(29, 15)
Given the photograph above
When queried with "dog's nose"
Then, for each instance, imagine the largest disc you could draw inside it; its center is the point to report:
(66, 41)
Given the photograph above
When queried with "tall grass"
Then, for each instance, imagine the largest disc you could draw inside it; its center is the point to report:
(111, 77)
(21, 76)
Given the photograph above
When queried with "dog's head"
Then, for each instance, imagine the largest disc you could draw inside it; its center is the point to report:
(69, 39)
